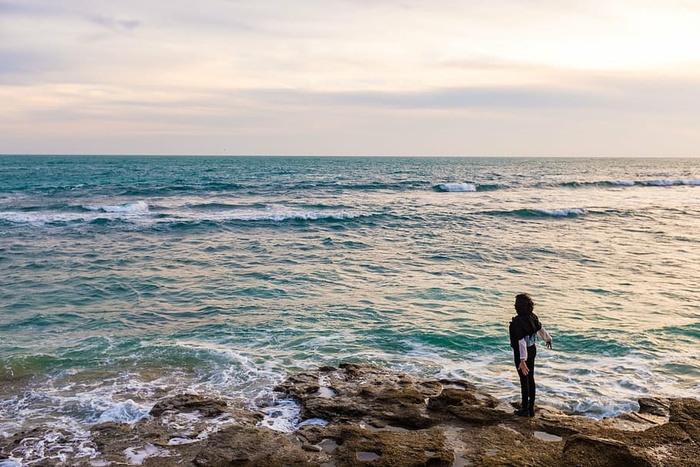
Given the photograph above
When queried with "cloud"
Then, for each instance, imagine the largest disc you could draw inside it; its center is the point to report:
(600, 93)
(15, 61)
(454, 98)
(26, 8)
(375, 70)
(114, 24)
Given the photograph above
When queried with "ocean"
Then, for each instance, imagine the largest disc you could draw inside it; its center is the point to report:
(128, 279)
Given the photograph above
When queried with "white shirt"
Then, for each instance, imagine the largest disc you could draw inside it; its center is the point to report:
(527, 341)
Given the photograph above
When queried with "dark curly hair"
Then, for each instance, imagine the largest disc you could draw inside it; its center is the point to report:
(524, 304)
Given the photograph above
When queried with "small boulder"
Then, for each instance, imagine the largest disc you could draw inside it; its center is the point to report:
(252, 447)
(654, 406)
(183, 403)
(592, 451)
(684, 410)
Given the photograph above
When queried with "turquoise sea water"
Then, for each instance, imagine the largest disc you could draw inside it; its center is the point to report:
(125, 279)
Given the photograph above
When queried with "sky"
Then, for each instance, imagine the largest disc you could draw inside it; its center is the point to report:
(611, 78)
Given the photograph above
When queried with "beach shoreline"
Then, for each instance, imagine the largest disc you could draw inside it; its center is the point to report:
(356, 413)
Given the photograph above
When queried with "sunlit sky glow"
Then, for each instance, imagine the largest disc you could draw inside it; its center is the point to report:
(447, 77)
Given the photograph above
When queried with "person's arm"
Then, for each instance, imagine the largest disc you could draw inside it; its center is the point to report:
(544, 335)
(522, 349)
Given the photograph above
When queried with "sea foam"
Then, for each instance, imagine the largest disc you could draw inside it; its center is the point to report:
(690, 182)
(562, 212)
(278, 214)
(137, 456)
(622, 182)
(282, 416)
(456, 187)
(48, 216)
(540, 213)
(124, 412)
(11, 462)
(133, 208)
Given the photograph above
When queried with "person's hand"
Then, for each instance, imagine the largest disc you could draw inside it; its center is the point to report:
(523, 367)
(549, 344)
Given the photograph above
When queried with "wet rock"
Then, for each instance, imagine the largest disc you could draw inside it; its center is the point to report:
(471, 406)
(175, 434)
(654, 406)
(184, 403)
(683, 410)
(459, 397)
(372, 415)
(249, 446)
(386, 401)
(361, 392)
(384, 397)
(600, 452)
(358, 446)
(45, 445)
(503, 445)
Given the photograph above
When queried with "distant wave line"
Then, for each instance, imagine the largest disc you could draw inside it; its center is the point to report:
(538, 213)
(103, 214)
(135, 207)
(631, 183)
(328, 185)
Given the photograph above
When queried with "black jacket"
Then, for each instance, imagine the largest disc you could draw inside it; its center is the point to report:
(521, 326)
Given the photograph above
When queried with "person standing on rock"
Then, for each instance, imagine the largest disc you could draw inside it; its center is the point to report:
(524, 329)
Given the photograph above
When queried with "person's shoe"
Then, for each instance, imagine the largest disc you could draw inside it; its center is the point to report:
(522, 413)
(531, 410)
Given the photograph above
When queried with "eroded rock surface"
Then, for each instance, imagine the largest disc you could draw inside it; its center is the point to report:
(366, 415)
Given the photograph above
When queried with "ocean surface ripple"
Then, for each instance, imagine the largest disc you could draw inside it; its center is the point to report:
(129, 278)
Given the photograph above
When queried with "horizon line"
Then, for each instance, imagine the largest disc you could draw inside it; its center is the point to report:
(484, 156)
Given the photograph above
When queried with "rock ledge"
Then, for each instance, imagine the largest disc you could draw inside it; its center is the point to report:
(366, 415)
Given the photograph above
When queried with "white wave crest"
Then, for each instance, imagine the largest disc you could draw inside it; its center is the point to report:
(457, 187)
(124, 412)
(39, 219)
(135, 208)
(279, 214)
(622, 182)
(312, 216)
(283, 416)
(11, 462)
(19, 217)
(562, 212)
(129, 211)
(690, 182)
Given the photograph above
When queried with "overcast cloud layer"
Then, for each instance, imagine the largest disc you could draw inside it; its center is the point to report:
(448, 77)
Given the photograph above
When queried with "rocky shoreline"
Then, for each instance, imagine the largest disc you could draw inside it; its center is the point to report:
(366, 415)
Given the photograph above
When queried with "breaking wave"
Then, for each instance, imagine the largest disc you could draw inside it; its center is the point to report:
(631, 183)
(137, 207)
(456, 187)
(540, 213)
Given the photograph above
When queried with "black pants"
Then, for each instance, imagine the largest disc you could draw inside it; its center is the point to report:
(527, 382)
